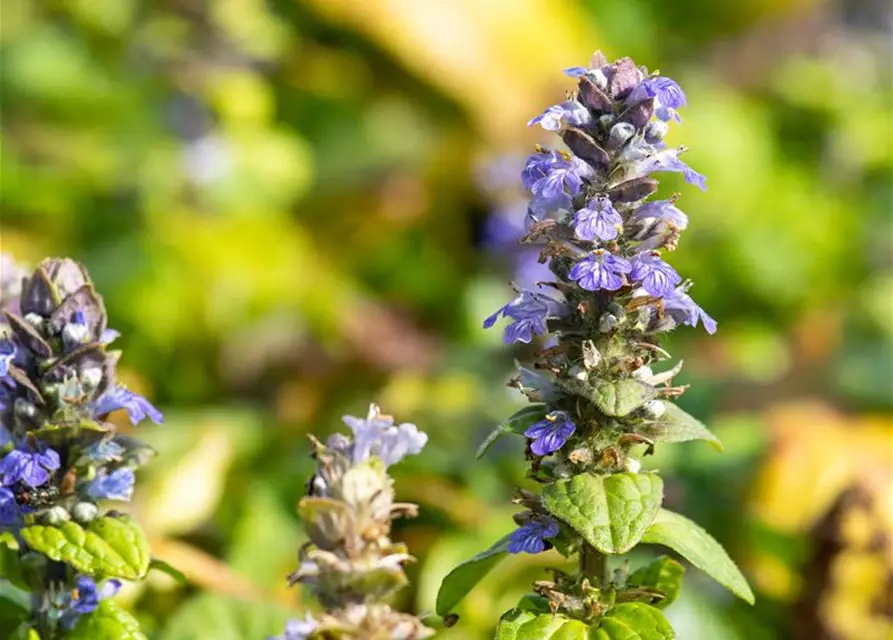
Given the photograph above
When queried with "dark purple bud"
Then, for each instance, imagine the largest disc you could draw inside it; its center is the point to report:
(592, 96)
(624, 79)
(28, 336)
(585, 147)
(639, 114)
(37, 294)
(633, 190)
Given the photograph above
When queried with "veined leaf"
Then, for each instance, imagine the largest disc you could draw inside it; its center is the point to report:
(107, 622)
(463, 578)
(700, 548)
(518, 624)
(663, 574)
(610, 512)
(675, 425)
(110, 546)
(621, 397)
(633, 621)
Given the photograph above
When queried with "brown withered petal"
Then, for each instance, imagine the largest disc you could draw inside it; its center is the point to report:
(584, 146)
(593, 97)
(625, 78)
(639, 114)
(633, 190)
(28, 336)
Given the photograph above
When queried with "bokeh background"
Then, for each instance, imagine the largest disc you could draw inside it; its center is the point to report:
(294, 208)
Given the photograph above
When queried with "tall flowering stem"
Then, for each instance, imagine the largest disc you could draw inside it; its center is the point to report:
(601, 396)
(350, 562)
(61, 460)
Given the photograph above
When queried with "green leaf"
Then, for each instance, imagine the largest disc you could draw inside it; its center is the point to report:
(225, 618)
(621, 397)
(633, 621)
(700, 548)
(164, 567)
(610, 512)
(15, 605)
(25, 632)
(110, 546)
(517, 423)
(107, 622)
(525, 625)
(663, 574)
(675, 425)
(463, 578)
(10, 563)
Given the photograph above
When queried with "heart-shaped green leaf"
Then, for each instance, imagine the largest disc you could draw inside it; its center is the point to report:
(525, 625)
(610, 512)
(633, 621)
(621, 397)
(107, 622)
(517, 423)
(700, 548)
(110, 546)
(461, 580)
(663, 574)
(675, 425)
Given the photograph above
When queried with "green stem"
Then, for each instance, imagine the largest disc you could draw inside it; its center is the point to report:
(594, 565)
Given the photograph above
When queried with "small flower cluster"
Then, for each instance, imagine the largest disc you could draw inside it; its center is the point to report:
(350, 563)
(60, 458)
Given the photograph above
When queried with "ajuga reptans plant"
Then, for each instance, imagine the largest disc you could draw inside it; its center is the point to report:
(350, 563)
(601, 396)
(63, 554)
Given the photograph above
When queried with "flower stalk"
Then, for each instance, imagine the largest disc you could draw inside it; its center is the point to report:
(350, 563)
(61, 460)
(602, 396)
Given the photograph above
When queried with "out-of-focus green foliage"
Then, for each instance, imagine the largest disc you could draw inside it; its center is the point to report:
(278, 201)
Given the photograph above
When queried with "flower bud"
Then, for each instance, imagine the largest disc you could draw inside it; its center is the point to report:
(604, 122)
(55, 516)
(632, 465)
(24, 409)
(34, 320)
(620, 133)
(643, 373)
(655, 131)
(91, 377)
(608, 322)
(75, 334)
(84, 512)
(654, 409)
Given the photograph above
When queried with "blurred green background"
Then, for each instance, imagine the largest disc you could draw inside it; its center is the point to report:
(294, 208)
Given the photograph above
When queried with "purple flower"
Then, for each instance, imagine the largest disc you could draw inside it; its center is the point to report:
(553, 118)
(599, 220)
(600, 270)
(668, 96)
(553, 180)
(32, 468)
(664, 211)
(104, 451)
(668, 160)
(86, 597)
(138, 408)
(298, 629)
(9, 509)
(531, 537)
(657, 277)
(551, 433)
(76, 332)
(679, 305)
(117, 485)
(109, 336)
(376, 435)
(528, 311)
(7, 355)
